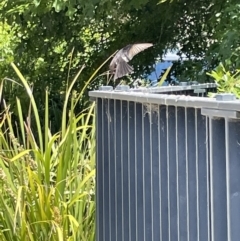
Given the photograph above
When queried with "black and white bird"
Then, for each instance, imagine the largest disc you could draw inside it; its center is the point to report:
(119, 65)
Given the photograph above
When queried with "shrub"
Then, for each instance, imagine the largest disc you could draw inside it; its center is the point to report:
(227, 81)
(47, 181)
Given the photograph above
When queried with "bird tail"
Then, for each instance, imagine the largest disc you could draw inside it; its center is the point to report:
(123, 68)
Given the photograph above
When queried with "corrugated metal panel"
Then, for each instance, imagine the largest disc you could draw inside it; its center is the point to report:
(167, 167)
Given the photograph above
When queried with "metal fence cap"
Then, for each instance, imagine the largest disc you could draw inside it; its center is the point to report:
(170, 100)
(225, 97)
(122, 88)
(105, 88)
(195, 82)
(183, 83)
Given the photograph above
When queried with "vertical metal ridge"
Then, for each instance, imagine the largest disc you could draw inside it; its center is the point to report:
(187, 180)
(168, 176)
(182, 167)
(163, 174)
(140, 171)
(202, 177)
(233, 193)
(211, 179)
(125, 169)
(197, 178)
(136, 192)
(121, 148)
(177, 171)
(109, 169)
(103, 141)
(218, 179)
(97, 183)
(129, 184)
(159, 183)
(143, 175)
(172, 179)
(115, 160)
(132, 170)
(151, 167)
(118, 174)
(208, 179)
(228, 178)
(112, 166)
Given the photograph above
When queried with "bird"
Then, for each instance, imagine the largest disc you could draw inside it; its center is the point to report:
(119, 65)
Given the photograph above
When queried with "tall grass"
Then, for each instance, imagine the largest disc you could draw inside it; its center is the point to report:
(47, 181)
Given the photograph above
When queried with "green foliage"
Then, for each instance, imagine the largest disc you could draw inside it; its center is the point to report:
(47, 42)
(48, 36)
(47, 186)
(209, 32)
(95, 29)
(227, 33)
(227, 81)
(8, 41)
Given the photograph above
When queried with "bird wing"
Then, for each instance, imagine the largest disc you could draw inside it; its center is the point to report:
(123, 68)
(119, 62)
(137, 48)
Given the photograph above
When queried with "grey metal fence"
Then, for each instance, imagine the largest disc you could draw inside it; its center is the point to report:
(168, 166)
